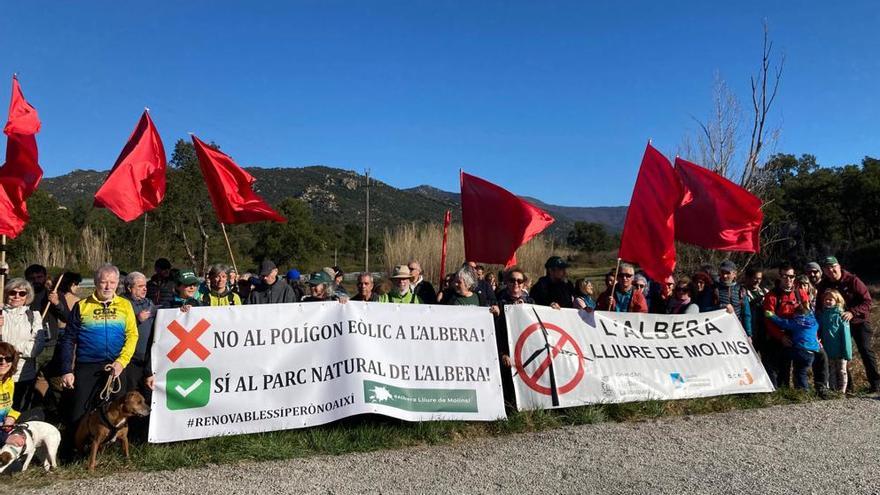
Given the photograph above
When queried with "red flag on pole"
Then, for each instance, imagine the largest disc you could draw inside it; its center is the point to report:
(716, 214)
(21, 145)
(230, 188)
(136, 183)
(21, 173)
(649, 230)
(446, 220)
(496, 222)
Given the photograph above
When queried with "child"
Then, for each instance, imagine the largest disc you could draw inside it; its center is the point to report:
(835, 336)
(802, 330)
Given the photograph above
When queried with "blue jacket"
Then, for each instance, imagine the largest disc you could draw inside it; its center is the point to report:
(99, 332)
(802, 329)
(145, 328)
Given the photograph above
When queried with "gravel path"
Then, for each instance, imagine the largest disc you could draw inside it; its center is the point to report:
(820, 447)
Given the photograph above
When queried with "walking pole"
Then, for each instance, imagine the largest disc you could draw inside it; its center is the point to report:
(228, 246)
(46, 309)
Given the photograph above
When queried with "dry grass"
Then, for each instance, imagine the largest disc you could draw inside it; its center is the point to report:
(94, 249)
(423, 243)
(49, 251)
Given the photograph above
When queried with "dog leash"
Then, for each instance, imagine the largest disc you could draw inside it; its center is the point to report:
(113, 385)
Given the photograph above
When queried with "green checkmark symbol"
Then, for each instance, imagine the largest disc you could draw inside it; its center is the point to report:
(188, 388)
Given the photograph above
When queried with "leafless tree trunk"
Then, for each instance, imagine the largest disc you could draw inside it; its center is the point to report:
(204, 237)
(717, 144)
(765, 86)
(181, 234)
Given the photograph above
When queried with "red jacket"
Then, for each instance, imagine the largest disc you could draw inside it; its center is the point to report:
(782, 304)
(855, 294)
(637, 304)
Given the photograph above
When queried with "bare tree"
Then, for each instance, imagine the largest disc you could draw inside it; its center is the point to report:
(718, 141)
(765, 86)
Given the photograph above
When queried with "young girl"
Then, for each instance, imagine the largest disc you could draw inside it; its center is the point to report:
(835, 337)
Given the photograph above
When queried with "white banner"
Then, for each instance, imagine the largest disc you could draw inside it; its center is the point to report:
(566, 358)
(243, 369)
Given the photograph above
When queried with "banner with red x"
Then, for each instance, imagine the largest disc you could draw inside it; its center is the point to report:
(189, 340)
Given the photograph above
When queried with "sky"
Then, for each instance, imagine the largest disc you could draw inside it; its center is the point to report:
(554, 100)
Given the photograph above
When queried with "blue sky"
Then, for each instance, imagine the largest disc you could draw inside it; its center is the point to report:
(549, 99)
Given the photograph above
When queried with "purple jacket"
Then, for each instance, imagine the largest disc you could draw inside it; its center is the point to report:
(855, 294)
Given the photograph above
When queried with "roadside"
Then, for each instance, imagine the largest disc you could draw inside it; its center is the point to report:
(817, 447)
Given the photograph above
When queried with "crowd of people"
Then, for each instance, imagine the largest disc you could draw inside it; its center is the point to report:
(57, 349)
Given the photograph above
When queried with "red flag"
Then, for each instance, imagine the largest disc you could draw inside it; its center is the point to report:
(23, 118)
(717, 214)
(649, 230)
(230, 188)
(21, 146)
(136, 184)
(496, 222)
(13, 209)
(21, 173)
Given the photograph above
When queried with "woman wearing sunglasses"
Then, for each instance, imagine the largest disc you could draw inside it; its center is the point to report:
(23, 329)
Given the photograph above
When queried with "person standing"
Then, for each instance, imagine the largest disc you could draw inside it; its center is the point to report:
(420, 286)
(857, 313)
(623, 297)
(732, 296)
(100, 338)
(365, 289)
(23, 328)
(554, 289)
(802, 331)
(782, 301)
(834, 333)
(140, 375)
(271, 289)
(219, 293)
(400, 292)
(161, 286)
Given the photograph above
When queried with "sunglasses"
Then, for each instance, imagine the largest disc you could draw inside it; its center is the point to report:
(7, 359)
(626, 275)
(789, 277)
(19, 293)
(517, 281)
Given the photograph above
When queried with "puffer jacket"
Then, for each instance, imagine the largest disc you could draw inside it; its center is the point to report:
(23, 329)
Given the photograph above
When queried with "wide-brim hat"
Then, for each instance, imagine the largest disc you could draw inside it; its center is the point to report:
(401, 271)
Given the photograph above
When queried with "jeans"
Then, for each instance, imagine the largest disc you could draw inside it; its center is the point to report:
(820, 370)
(777, 362)
(863, 335)
(802, 360)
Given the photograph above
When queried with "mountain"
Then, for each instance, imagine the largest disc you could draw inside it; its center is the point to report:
(338, 196)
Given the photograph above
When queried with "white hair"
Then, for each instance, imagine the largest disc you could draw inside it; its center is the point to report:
(106, 268)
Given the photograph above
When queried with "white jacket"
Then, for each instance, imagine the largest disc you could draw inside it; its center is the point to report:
(19, 332)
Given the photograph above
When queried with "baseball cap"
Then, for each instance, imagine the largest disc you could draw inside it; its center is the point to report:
(829, 261)
(187, 278)
(321, 277)
(293, 274)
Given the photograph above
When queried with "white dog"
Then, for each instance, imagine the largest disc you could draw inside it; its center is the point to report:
(29, 439)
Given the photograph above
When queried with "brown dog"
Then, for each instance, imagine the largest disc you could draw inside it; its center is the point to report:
(109, 423)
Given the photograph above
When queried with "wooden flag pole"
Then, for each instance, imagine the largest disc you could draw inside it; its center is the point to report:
(229, 246)
(144, 245)
(3, 264)
(614, 284)
(46, 309)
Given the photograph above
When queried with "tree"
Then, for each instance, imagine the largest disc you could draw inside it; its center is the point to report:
(589, 236)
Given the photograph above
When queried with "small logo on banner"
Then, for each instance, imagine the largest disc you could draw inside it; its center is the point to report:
(689, 381)
(188, 388)
(453, 400)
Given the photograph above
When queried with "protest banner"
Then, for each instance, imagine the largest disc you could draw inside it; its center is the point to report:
(242, 369)
(566, 358)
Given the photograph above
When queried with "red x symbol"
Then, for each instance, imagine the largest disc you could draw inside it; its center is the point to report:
(189, 340)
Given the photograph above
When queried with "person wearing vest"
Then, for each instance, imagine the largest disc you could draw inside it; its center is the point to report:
(782, 302)
(101, 333)
(23, 328)
(219, 293)
(140, 375)
(732, 296)
(623, 297)
(400, 290)
(857, 312)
